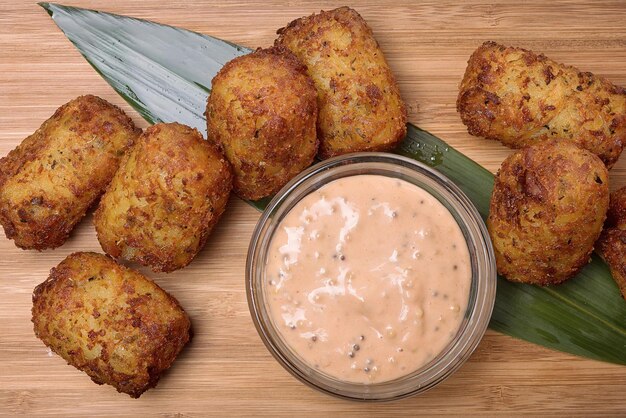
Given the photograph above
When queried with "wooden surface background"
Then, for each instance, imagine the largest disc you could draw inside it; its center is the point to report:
(226, 370)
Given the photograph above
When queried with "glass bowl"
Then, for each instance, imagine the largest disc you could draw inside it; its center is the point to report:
(483, 268)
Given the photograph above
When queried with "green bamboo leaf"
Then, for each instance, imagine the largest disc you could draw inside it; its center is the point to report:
(165, 74)
(585, 316)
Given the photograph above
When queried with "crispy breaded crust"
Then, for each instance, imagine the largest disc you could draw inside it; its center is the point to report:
(616, 216)
(612, 242)
(110, 322)
(521, 98)
(262, 112)
(547, 209)
(612, 248)
(360, 108)
(170, 191)
(50, 180)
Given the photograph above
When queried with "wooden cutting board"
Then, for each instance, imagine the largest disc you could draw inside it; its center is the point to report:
(226, 370)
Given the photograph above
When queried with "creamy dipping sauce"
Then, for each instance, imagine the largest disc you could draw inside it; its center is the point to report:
(368, 278)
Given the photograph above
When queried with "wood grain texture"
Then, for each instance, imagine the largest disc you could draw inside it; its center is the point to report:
(226, 370)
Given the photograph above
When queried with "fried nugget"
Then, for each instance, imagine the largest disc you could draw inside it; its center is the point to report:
(612, 242)
(360, 108)
(262, 111)
(169, 193)
(521, 98)
(547, 209)
(616, 216)
(110, 322)
(50, 180)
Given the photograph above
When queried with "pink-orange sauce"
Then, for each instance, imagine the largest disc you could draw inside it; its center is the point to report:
(368, 278)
